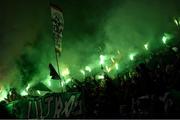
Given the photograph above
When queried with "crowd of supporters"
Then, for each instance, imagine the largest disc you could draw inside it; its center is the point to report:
(150, 90)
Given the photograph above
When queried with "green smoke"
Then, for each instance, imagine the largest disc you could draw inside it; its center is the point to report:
(26, 42)
(124, 26)
(118, 30)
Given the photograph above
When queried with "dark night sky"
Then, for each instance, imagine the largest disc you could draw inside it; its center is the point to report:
(26, 45)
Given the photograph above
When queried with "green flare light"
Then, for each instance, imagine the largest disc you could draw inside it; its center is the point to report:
(38, 92)
(131, 56)
(87, 68)
(100, 77)
(3, 94)
(176, 22)
(116, 65)
(65, 72)
(27, 88)
(23, 93)
(102, 59)
(82, 71)
(164, 39)
(108, 69)
(68, 80)
(146, 46)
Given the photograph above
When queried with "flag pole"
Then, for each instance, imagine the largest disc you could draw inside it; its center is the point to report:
(57, 19)
(57, 62)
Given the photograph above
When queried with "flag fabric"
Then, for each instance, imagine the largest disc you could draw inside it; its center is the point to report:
(50, 106)
(57, 26)
(40, 86)
(53, 73)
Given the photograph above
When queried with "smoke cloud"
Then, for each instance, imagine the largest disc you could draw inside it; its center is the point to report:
(116, 25)
(91, 28)
(25, 41)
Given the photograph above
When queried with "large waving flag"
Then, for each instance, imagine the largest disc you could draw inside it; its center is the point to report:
(57, 27)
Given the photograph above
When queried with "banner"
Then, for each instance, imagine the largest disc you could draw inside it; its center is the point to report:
(52, 105)
(57, 25)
